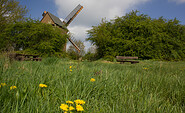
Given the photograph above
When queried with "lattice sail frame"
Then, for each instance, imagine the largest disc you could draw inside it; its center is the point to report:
(72, 15)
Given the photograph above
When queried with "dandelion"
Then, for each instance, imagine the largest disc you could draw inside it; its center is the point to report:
(69, 102)
(71, 108)
(70, 70)
(79, 102)
(64, 107)
(79, 108)
(13, 87)
(92, 80)
(3, 84)
(70, 67)
(145, 68)
(43, 85)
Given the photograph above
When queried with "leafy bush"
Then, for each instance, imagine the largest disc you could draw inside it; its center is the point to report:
(138, 35)
(33, 37)
(109, 58)
(90, 56)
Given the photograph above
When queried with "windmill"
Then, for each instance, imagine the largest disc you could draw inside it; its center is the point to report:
(55, 21)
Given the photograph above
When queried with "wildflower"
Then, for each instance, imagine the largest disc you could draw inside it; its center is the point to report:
(3, 84)
(79, 102)
(70, 67)
(13, 87)
(69, 102)
(70, 70)
(43, 85)
(71, 108)
(145, 68)
(92, 80)
(79, 108)
(64, 107)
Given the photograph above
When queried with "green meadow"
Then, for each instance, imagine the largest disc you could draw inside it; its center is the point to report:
(149, 86)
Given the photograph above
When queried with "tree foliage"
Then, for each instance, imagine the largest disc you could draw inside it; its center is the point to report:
(33, 37)
(91, 54)
(10, 11)
(73, 53)
(138, 35)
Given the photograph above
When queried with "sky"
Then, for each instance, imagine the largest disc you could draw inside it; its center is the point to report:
(95, 10)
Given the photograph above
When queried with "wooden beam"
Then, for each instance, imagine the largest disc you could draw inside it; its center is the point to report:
(125, 57)
(78, 49)
(72, 15)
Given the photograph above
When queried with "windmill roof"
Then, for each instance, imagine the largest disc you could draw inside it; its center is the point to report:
(56, 20)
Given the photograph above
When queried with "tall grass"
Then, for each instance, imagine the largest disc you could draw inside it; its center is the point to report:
(150, 86)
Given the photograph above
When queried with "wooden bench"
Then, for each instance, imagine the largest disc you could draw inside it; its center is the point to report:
(24, 57)
(123, 59)
(36, 59)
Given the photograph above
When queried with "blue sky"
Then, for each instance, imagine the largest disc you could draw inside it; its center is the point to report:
(95, 10)
(165, 8)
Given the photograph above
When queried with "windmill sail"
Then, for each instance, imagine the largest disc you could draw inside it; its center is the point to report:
(72, 15)
(71, 39)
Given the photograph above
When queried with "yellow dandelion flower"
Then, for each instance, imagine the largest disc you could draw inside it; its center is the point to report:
(92, 80)
(3, 84)
(145, 68)
(64, 107)
(71, 108)
(79, 108)
(79, 101)
(69, 102)
(13, 87)
(71, 70)
(70, 67)
(43, 85)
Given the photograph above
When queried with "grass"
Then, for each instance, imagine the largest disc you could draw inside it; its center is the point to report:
(149, 86)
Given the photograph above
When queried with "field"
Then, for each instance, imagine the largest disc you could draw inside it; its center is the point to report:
(149, 86)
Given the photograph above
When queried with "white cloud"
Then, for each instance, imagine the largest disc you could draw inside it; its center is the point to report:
(79, 31)
(177, 1)
(93, 12)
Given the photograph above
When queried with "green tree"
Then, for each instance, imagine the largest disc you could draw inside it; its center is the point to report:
(10, 11)
(33, 37)
(137, 34)
(73, 53)
(91, 54)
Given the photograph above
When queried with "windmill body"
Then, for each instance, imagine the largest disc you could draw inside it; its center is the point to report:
(49, 18)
